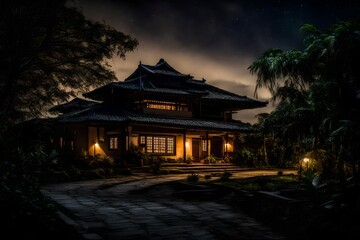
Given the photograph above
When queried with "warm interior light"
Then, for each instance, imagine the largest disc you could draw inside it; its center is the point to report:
(187, 144)
(306, 160)
(96, 144)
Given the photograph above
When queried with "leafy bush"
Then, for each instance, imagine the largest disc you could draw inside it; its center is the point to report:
(37, 158)
(97, 161)
(211, 158)
(308, 176)
(193, 178)
(171, 160)
(226, 176)
(245, 157)
(155, 163)
(135, 156)
(189, 159)
(207, 176)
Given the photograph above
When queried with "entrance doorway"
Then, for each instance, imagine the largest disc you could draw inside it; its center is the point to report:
(216, 147)
(196, 149)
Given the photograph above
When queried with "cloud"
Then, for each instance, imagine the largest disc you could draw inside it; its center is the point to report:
(215, 40)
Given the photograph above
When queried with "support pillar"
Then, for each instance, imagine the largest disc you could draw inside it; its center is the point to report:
(184, 143)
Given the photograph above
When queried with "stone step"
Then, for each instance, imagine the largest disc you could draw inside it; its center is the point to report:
(195, 168)
(207, 168)
(201, 170)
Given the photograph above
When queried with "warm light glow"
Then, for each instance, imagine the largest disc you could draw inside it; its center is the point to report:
(187, 144)
(306, 160)
(96, 144)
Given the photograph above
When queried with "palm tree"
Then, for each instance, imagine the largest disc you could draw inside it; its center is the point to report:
(317, 88)
(262, 127)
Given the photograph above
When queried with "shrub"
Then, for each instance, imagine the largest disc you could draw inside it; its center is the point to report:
(135, 156)
(189, 159)
(211, 159)
(38, 158)
(193, 178)
(207, 176)
(97, 161)
(155, 163)
(245, 157)
(226, 176)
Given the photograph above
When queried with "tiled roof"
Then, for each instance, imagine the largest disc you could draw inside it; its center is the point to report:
(148, 86)
(164, 79)
(161, 68)
(73, 105)
(189, 87)
(215, 93)
(95, 113)
(155, 70)
(111, 114)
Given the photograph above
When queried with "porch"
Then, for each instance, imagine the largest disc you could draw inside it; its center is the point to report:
(173, 144)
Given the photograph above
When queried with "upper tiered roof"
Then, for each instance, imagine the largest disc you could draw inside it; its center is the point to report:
(102, 113)
(164, 80)
(74, 105)
(161, 68)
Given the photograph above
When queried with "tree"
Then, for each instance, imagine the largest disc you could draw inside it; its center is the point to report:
(318, 90)
(50, 52)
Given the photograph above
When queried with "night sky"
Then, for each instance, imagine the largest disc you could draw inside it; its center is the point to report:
(215, 40)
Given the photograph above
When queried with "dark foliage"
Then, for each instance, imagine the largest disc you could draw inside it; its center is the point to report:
(318, 94)
(49, 52)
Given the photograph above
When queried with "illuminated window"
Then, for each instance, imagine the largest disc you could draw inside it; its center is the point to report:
(113, 143)
(158, 144)
(204, 145)
(163, 105)
(142, 140)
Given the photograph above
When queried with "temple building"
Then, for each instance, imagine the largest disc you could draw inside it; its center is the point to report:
(157, 110)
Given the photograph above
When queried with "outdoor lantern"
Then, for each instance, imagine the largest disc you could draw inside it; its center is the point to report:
(306, 161)
(96, 145)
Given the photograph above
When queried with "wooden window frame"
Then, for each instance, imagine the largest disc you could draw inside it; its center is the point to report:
(204, 145)
(116, 143)
(165, 105)
(153, 141)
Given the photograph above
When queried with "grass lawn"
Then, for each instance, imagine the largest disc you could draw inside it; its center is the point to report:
(264, 183)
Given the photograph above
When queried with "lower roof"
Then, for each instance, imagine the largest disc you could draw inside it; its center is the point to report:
(110, 114)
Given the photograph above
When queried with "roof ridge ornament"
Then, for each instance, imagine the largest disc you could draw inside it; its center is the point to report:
(160, 62)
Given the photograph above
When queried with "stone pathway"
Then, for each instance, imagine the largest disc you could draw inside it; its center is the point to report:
(103, 209)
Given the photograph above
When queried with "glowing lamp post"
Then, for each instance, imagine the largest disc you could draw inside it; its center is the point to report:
(306, 161)
(95, 146)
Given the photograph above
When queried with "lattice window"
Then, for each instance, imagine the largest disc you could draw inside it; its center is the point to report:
(204, 145)
(142, 140)
(113, 143)
(158, 144)
(163, 105)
